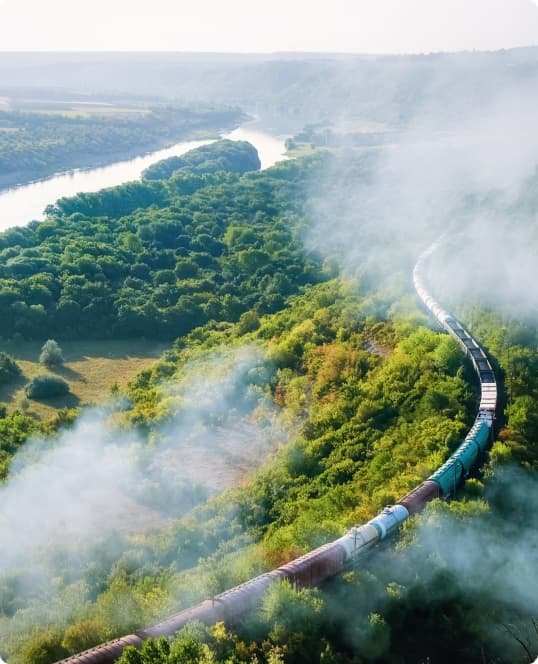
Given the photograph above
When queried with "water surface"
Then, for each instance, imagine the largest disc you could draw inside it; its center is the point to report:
(20, 205)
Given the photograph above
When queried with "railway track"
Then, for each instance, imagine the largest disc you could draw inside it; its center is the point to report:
(332, 558)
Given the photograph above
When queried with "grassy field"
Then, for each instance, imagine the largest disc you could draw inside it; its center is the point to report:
(91, 368)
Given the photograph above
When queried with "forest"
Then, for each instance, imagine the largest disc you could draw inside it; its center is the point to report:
(159, 257)
(324, 364)
(35, 144)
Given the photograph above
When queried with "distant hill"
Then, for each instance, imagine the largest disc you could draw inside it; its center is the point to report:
(289, 89)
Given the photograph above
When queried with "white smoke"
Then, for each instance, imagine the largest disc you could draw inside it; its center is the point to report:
(75, 500)
(66, 492)
(376, 209)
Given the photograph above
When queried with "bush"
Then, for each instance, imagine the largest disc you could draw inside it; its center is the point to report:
(9, 369)
(43, 647)
(249, 322)
(44, 387)
(51, 354)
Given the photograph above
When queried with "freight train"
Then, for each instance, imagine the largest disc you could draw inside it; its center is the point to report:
(328, 560)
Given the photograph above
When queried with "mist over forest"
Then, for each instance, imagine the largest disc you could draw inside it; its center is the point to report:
(301, 387)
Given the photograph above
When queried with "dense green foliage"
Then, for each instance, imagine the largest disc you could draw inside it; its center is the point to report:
(232, 156)
(14, 431)
(371, 425)
(373, 401)
(34, 145)
(9, 369)
(508, 331)
(514, 346)
(158, 258)
(365, 414)
(46, 387)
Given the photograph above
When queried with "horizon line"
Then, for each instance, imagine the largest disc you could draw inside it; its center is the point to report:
(342, 54)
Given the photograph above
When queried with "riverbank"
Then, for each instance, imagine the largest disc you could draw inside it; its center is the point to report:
(25, 203)
(39, 144)
(20, 179)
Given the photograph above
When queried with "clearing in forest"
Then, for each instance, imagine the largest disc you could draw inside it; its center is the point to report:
(91, 368)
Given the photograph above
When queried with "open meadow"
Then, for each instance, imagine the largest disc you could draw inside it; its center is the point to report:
(91, 369)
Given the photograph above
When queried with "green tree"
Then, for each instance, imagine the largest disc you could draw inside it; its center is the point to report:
(45, 387)
(42, 648)
(187, 650)
(249, 322)
(51, 354)
(9, 369)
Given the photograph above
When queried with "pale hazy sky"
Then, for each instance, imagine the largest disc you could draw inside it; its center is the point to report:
(360, 26)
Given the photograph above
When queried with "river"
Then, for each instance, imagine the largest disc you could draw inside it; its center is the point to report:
(20, 205)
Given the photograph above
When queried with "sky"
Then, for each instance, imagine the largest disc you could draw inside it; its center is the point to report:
(352, 26)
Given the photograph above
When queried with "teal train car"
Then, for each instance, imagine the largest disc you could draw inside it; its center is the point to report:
(458, 465)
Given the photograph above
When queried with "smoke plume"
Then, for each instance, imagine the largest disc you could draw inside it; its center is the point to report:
(72, 503)
(469, 170)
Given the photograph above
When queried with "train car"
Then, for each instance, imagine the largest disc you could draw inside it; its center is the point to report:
(207, 612)
(488, 397)
(357, 540)
(448, 476)
(458, 465)
(416, 500)
(481, 434)
(316, 566)
(389, 520)
(106, 653)
(455, 469)
(237, 601)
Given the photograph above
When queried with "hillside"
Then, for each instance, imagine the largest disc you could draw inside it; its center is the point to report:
(287, 90)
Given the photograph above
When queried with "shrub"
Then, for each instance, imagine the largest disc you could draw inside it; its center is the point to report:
(248, 322)
(51, 354)
(45, 386)
(9, 369)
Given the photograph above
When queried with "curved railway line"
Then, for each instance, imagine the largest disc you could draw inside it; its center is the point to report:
(332, 558)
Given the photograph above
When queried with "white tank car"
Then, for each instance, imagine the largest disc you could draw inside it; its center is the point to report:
(358, 539)
(389, 519)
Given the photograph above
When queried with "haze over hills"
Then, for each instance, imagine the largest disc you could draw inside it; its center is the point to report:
(297, 88)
